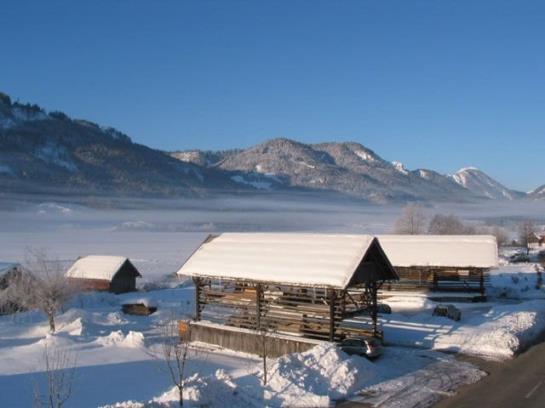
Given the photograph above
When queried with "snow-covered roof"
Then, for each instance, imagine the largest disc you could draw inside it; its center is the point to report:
(462, 251)
(96, 267)
(319, 260)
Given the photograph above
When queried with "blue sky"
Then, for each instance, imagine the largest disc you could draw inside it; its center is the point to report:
(439, 84)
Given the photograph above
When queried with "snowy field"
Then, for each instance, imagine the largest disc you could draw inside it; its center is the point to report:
(117, 356)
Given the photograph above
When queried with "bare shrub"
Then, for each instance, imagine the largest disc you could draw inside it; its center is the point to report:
(46, 289)
(412, 220)
(502, 238)
(59, 371)
(175, 349)
(525, 231)
(447, 225)
(263, 337)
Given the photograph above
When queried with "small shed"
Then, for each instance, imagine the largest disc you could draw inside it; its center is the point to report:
(114, 274)
(301, 285)
(10, 275)
(441, 262)
(536, 241)
(8, 271)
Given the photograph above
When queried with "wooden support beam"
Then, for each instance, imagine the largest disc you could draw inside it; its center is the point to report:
(258, 299)
(332, 299)
(374, 311)
(197, 283)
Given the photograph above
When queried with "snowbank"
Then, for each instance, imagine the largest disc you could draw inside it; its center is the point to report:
(320, 377)
(500, 333)
(515, 282)
(494, 332)
(117, 338)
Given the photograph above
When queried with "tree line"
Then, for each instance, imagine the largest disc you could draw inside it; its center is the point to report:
(414, 220)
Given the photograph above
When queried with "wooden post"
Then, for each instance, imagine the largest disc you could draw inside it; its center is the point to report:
(332, 297)
(197, 283)
(258, 293)
(374, 313)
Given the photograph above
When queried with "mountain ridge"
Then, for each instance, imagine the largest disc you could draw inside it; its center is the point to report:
(482, 184)
(49, 151)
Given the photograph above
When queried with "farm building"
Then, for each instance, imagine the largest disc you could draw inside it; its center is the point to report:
(7, 269)
(10, 274)
(114, 274)
(292, 285)
(441, 262)
(536, 241)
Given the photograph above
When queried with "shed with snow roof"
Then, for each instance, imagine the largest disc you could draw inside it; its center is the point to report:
(536, 240)
(10, 275)
(441, 262)
(114, 274)
(292, 284)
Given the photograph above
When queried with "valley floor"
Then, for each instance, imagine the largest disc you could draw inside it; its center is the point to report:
(118, 358)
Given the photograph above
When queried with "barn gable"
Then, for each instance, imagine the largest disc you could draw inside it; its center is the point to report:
(313, 260)
(100, 267)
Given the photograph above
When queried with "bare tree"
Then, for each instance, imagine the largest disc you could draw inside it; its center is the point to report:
(501, 235)
(47, 289)
(412, 220)
(525, 231)
(59, 370)
(447, 225)
(176, 338)
(263, 341)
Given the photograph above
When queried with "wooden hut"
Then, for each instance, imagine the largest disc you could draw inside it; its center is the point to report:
(456, 263)
(536, 240)
(295, 285)
(114, 274)
(10, 275)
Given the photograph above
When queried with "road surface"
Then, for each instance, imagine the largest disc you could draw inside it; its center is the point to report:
(516, 383)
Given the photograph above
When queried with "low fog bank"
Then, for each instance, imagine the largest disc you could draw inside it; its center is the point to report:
(159, 234)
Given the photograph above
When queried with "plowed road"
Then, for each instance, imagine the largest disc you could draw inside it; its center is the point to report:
(516, 383)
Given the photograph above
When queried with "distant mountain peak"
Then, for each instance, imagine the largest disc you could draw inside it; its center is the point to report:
(538, 192)
(400, 167)
(482, 184)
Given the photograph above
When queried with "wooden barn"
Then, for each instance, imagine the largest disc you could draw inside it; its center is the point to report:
(114, 274)
(449, 263)
(300, 286)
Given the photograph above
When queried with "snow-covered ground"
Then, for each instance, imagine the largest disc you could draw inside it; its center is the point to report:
(116, 354)
(118, 360)
(493, 330)
(511, 319)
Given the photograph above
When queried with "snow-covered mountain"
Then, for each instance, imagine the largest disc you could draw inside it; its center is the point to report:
(538, 193)
(50, 152)
(345, 167)
(483, 185)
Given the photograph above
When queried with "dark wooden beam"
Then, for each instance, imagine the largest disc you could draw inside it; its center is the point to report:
(258, 296)
(197, 283)
(332, 298)
(374, 310)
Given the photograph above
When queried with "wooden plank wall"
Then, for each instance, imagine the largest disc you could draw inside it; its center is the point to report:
(248, 342)
(276, 308)
(437, 279)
